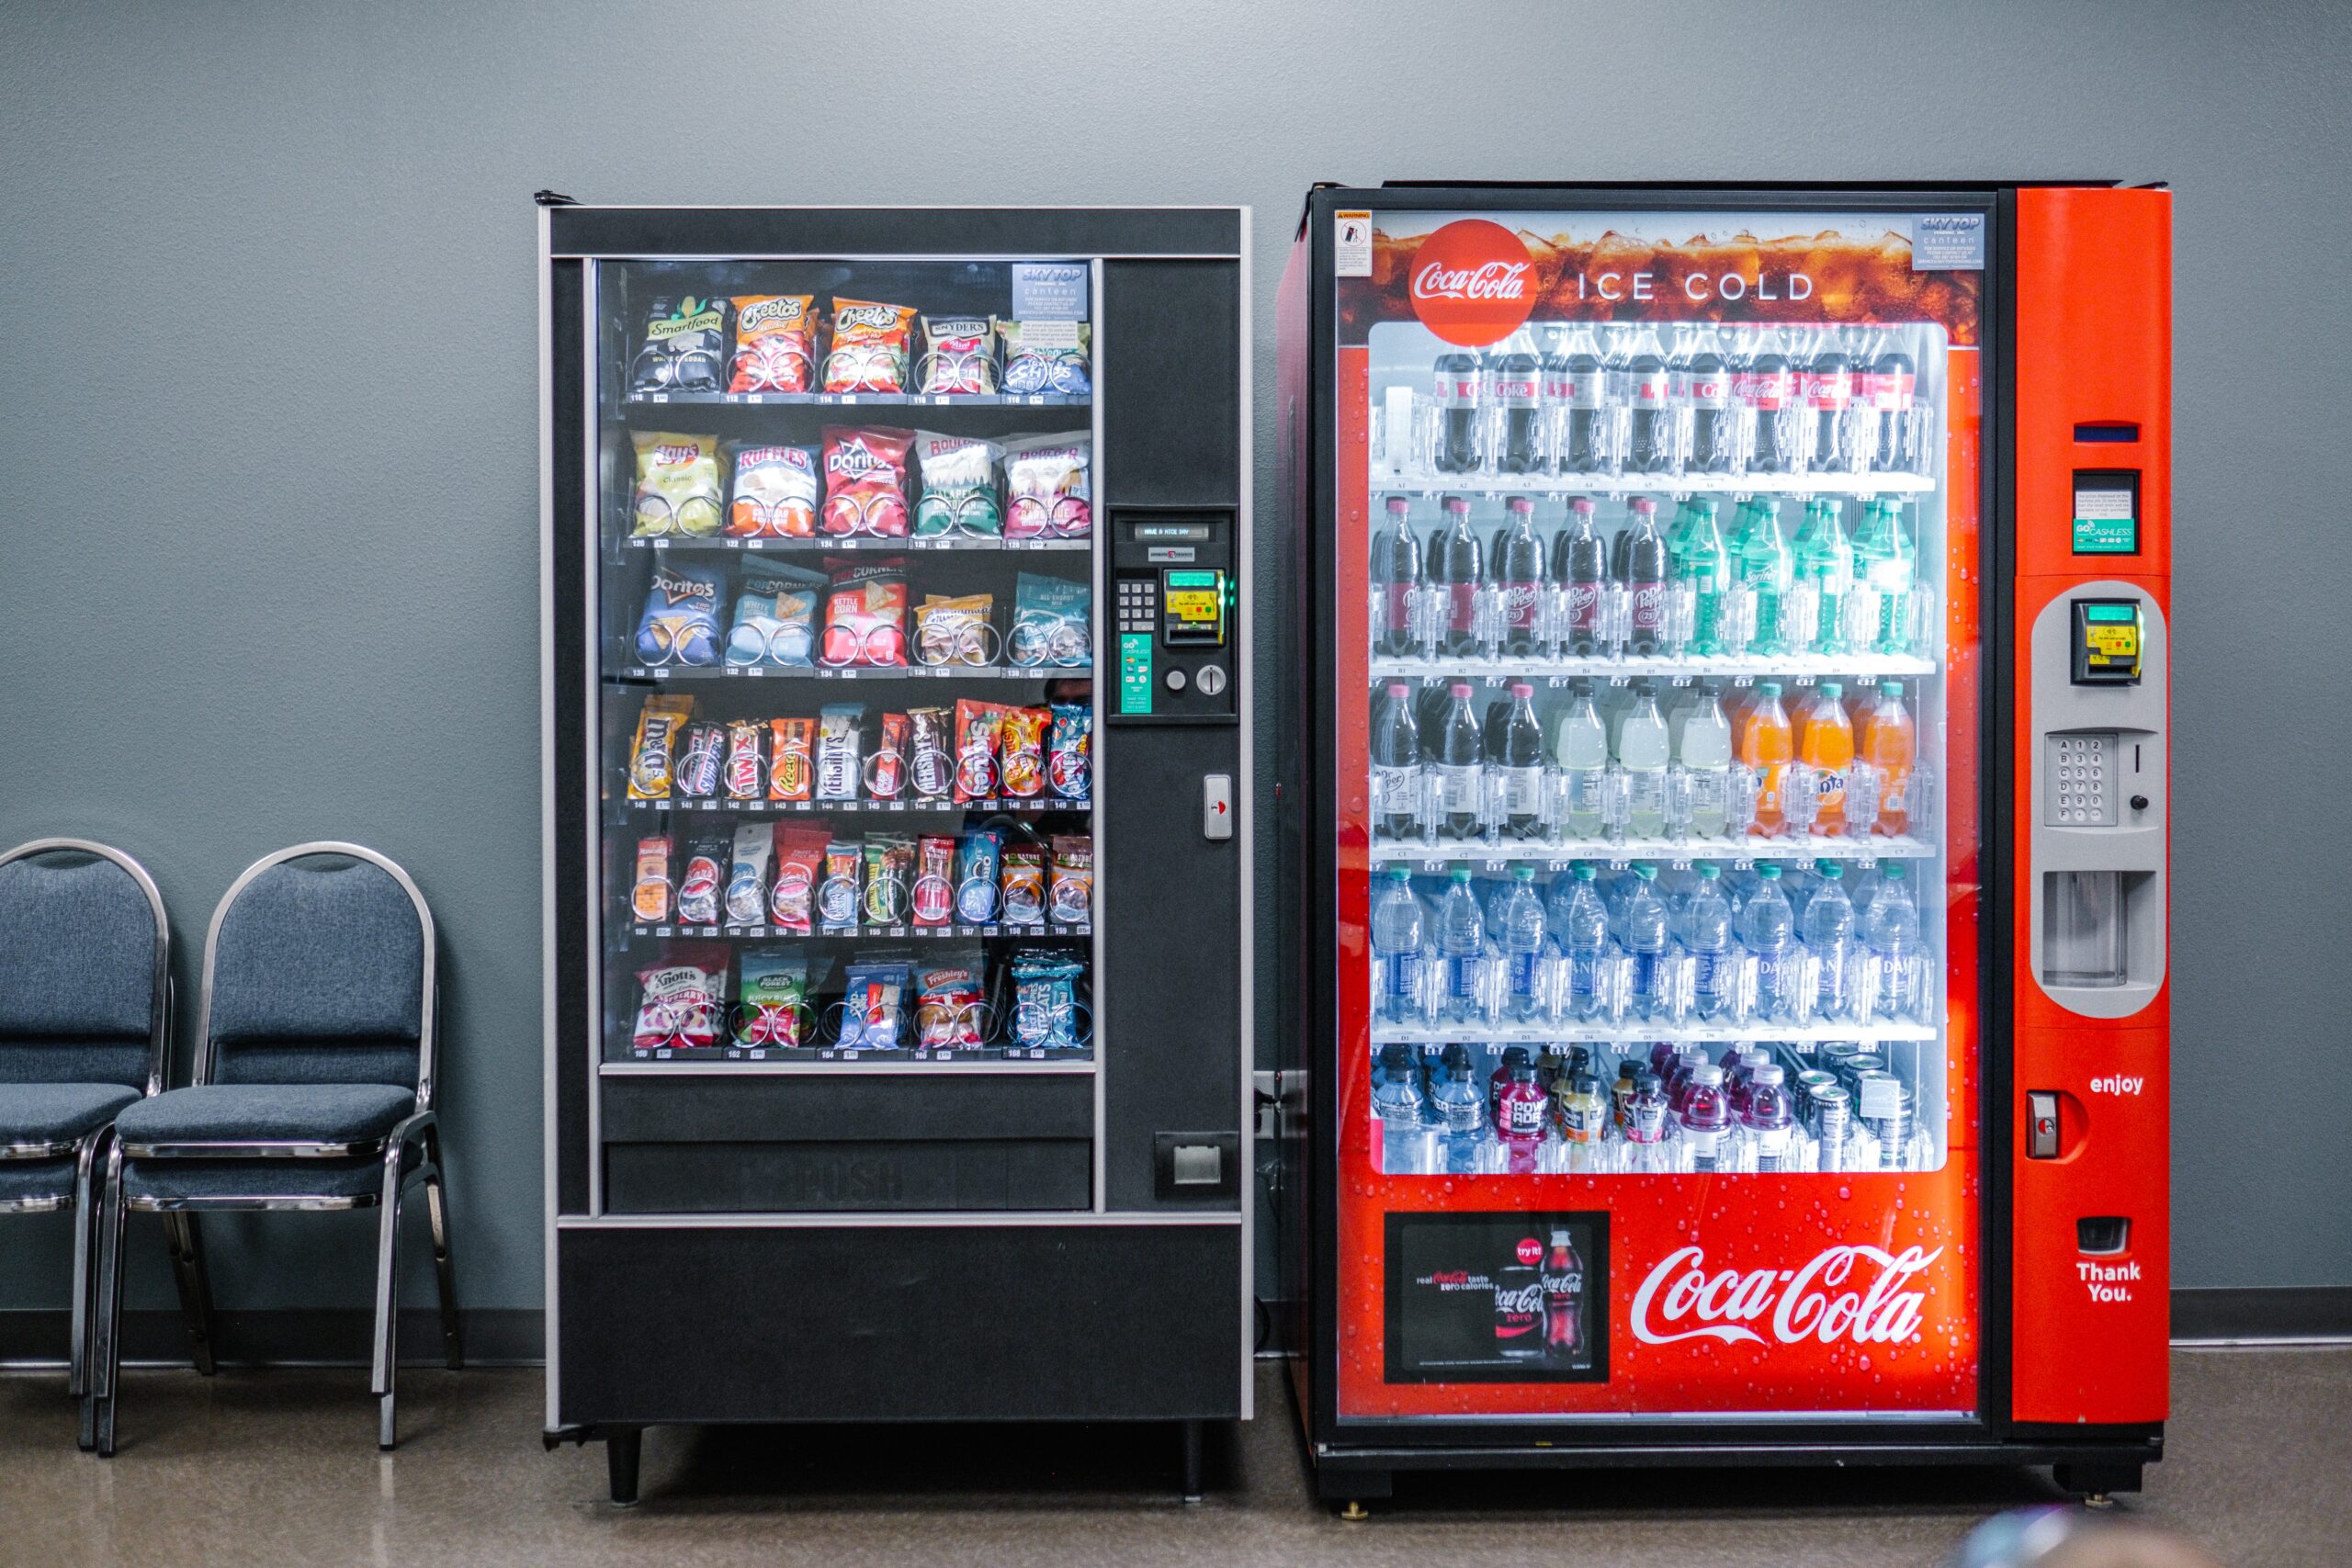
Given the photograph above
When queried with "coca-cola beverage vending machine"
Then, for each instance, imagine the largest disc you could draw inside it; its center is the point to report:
(898, 836)
(1725, 838)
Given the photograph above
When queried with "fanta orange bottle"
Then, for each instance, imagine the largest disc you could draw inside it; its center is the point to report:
(1889, 743)
(1766, 745)
(1826, 744)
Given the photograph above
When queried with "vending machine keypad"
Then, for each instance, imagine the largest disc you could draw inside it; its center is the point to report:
(2078, 782)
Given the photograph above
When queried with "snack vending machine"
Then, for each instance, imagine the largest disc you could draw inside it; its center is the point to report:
(897, 820)
(1726, 845)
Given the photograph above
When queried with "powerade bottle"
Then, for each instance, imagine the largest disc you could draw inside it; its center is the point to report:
(1644, 574)
(1765, 567)
(1462, 946)
(1457, 413)
(1458, 1110)
(1516, 754)
(1396, 572)
(1706, 931)
(1823, 558)
(1517, 919)
(1884, 559)
(1396, 766)
(1403, 1110)
(1461, 767)
(1512, 1056)
(1701, 561)
(1400, 970)
(1580, 566)
(1520, 1118)
(1456, 567)
(1519, 575)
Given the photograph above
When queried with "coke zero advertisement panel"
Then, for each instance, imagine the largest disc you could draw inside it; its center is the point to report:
(1497, 1298)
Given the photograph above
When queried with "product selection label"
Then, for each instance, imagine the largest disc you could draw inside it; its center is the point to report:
(1134, 673)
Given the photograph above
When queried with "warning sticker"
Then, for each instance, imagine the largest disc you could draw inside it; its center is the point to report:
(1351, 244)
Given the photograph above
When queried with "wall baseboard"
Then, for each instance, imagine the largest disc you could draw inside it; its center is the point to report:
(2262, 1312)
(319, 1336)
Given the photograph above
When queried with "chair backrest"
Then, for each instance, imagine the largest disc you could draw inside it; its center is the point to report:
(85, 966)
(318, 968)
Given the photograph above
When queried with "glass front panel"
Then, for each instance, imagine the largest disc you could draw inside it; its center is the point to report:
(1658, 553)
(846, 633)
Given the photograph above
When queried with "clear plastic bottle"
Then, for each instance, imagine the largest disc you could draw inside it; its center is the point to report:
(1884, 559)
(1580, 1120)
(1455, 567)
(1517, 919)
(1461, 947)
(1703, 748)
(1459, 762)
(1522, 1122)
(1395, 574)
(1515, 755)
(1767, 1122)
(1706, 394)
(1650, 427)
(1647, 1126)
(1887, 740)
(1646, 941)
(1396, 766)
(1518, 567)
(1458, 1110)
(1512, 1056)
(1706, 934)
(1584, 397)
(1897, 948)
(1642, 751)
(1580, 567)
(1767, 400)
(1582, 749)
(1399, 965)
(1639, 562)
(1822, 559)
(1826, 746)
(1580, 926)
(1767, 745)
(1703, 567)
(1764, 566)
(1703, 1119)
(1403, 1110)
(1828, 935)
(1766, 929)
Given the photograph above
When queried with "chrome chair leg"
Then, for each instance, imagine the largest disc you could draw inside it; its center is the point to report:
(86, 1248)
(196, 1289)
(106, 1357)
(388, 1226)
(443, 1270)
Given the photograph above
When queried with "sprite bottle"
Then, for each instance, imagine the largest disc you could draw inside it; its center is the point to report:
(1824, 560)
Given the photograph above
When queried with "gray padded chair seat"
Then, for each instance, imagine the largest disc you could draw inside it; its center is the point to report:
(309, 1112)
(58, 1113)
(35, 1180)
(171, 1181)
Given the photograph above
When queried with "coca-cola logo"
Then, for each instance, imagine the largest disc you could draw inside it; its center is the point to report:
(1530, 1250)
(1518, 1310)
(1473, 283)
(1824, 1301)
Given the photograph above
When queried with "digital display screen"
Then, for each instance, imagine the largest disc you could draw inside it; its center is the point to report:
(1169, 532)
(2123, 613)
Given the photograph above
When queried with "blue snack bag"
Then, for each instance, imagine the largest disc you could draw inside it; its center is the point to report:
(680, 622)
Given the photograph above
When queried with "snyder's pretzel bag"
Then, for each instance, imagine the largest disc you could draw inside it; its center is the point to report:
(776, 494)
(775, 343)
(660, 726)
(677, 486)
(959, 355)
(869, 350)
(685, 339)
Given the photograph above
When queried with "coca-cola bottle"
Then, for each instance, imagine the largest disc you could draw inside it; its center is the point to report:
(1518, 567)
(1457, 413)
(1396, 572)
(1456, 567)
(1649, 424)
(1514, 392)
(1396, 766)
(1581, 397)
(1643, 575)
(1828, 393)
(1580, 566)
(1515, 750)
(1714, 440)
(1459, 753)
(1767, 397)
(1563, 1284)
(1888, 389)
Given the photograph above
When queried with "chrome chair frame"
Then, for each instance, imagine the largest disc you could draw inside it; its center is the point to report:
(88, 1150)
(420, 1130)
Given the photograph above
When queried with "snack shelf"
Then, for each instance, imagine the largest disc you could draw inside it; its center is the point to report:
(1633, 1032)
(1039, 804)
(1560, 486)
(862, 933)
(636, 673)
(784, 1062)
(861, 400)
(1436, 859)
(830, 546)
(1495, 672)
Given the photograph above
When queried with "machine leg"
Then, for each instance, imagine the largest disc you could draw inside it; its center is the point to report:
(1193, 1442)
(2097, 1483)
(622, 1447)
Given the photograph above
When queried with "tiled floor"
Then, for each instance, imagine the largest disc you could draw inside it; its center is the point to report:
(268, 1468)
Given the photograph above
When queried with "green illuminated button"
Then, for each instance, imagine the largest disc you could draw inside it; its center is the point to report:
(1134, 673)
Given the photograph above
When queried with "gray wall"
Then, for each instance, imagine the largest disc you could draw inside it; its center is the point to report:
(266, 332)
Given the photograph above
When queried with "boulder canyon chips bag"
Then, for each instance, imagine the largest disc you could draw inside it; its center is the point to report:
(869, 351)
(775, 343)
(1048, 495)
(957, 474)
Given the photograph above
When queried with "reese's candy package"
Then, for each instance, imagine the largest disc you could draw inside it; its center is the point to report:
(660, 726)
(792, 759)
(1070, 894)
(799, 867)
(865, 614)
(775, 343)
(837, 890)
(685, 337)
(1069, 768)
(701, 881)
(681, 1000)
(869, 348)
(978, 731)
(958, 475)
(930, 764)
(886, 771)
(650, 901)
(959, 355)
(775, 616)
(865, 481)
(1022, 752)
(953, 630)
(677, 486)
(951, 1003)
(680, 622)
(1024, 884)
(776, 494)
(889, 874)
(701, 761)
(747, 761)
(979, 857)
(874, 1006)
(747, 874)
(771, 997)
(1047, 494)
(933, 896)
(840, 743)
(1044, 356)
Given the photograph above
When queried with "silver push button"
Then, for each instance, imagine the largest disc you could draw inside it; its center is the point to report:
(1216, 805)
